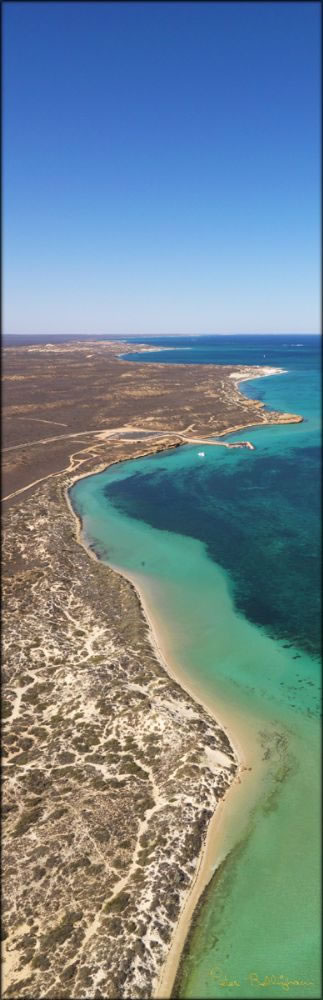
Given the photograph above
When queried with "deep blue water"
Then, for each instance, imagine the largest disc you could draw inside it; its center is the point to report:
(259, 516)
(259, 349)
(241, 613)
(213, 348)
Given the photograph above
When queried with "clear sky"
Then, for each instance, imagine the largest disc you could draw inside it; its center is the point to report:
(161, 168)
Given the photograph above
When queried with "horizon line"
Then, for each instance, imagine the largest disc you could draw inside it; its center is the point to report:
(117, 336)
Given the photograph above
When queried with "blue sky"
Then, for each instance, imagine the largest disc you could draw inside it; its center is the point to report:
(161, 168)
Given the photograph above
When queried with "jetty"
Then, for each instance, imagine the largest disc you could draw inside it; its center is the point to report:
(217, 444)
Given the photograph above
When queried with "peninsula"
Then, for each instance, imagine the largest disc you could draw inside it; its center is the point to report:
(112, 770)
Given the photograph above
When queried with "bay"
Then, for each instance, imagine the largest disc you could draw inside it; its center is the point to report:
(226, 551)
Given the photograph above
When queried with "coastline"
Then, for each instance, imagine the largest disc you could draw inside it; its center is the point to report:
(94, 462)
(145, 831)
(208, 857)
(215, 847)
(237, 799)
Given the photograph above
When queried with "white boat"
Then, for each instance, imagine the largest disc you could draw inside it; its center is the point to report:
(201, 454)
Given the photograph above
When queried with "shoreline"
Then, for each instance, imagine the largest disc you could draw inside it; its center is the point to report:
(215, 847)
(210, 855)
(104, 591)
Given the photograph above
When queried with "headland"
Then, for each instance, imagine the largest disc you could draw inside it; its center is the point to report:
(113, 771)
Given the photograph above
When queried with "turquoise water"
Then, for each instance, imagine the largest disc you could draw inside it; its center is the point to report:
(226, 550)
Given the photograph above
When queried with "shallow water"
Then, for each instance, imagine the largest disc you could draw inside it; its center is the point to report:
(226, 552)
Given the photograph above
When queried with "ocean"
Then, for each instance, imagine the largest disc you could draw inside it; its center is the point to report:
(226, 551)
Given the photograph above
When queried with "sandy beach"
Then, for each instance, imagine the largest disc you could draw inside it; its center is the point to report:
(142, 787)
(213, 806)
(232, 811)
(231, 815)
(230, 818)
